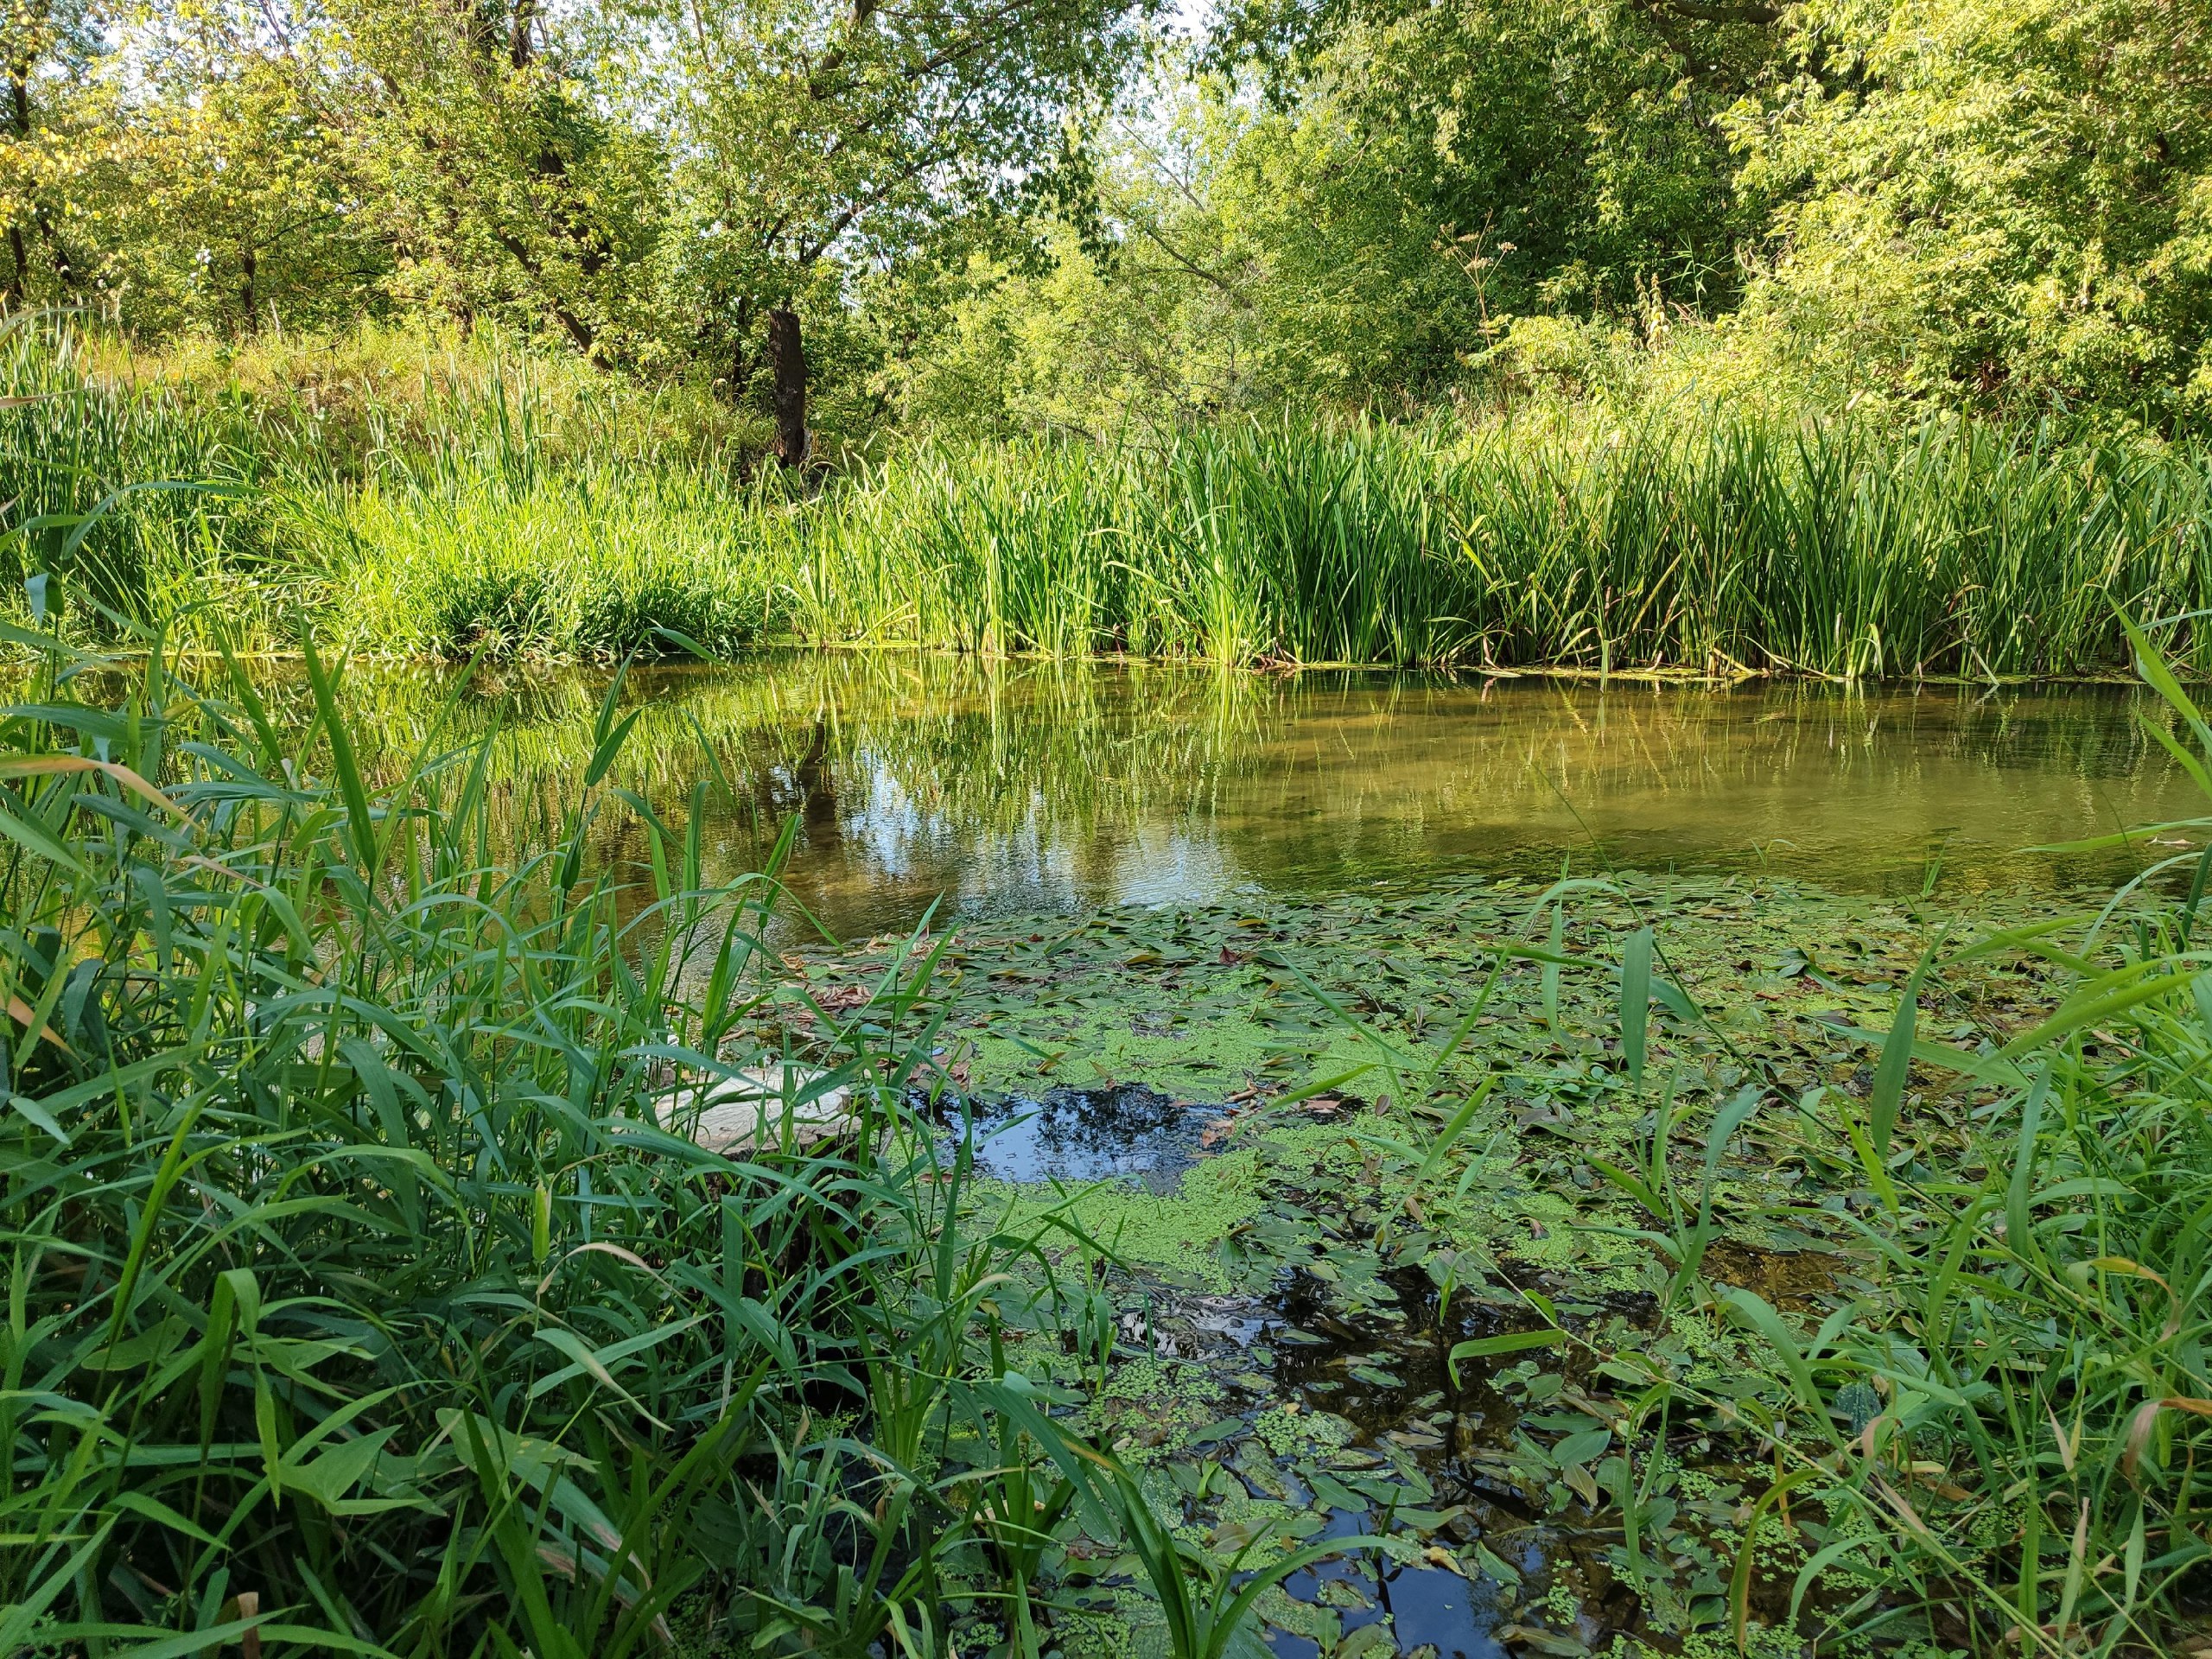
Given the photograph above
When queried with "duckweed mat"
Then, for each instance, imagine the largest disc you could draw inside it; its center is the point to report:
(1304, 1150)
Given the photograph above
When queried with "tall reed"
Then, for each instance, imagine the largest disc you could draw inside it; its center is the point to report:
(1993, 1441)
(1707, 544)
(483, 505)
(364, 1290)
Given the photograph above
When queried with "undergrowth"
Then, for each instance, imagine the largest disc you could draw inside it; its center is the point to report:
(469, 503)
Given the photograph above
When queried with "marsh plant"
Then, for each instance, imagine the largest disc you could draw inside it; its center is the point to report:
(2014, 1428)
(365, 1292)
(480, 508)
(1989, 1436)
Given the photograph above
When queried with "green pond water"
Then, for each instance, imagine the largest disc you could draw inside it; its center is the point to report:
(1024, 789)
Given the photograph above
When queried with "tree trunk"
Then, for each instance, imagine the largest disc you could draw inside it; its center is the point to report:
(247, 265)
(518, 40)
(64, 264)
(787, 363)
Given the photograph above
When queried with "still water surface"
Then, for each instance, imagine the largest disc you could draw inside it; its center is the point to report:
(1029, 788)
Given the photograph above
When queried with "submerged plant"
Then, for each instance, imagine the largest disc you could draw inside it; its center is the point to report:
(1207, 1602)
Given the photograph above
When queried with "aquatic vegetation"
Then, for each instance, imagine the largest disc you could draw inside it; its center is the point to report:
(1544, 1230)
(598, 567)
(1696, 542)
(1702, 541)
(1708, 1270)
(363, 1294)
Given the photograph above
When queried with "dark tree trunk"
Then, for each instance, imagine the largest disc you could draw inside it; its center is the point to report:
(247, 265)
(787, 363)
(20, 108)
(819, 780)
(65, 266)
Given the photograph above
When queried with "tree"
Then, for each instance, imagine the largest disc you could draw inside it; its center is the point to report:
(496, 174)
(1357, 202)
(46, 48)
(238, 202)
(811, 139)
(2001, 202)
(1571, 154)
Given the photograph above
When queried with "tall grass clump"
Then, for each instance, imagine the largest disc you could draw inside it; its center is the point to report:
(247, 479)
(591, 563)
(350, 404)
(365, 1291)
(1708, 544)
(1234, 545)
(1990, 1436)
(416, 496)
(108, 500)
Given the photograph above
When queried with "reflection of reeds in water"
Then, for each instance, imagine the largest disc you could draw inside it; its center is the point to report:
(915, 773)
(1065, 760)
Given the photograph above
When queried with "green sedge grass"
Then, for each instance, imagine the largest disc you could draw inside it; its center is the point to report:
(497, 506)
(360, 1296)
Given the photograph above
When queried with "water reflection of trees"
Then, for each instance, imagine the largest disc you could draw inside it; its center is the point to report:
(942, 772)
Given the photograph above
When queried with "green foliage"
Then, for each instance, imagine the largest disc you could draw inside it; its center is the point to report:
(991, 223)
(364, 1290)
(485, 501)
(1992, 203)
(1207, 1602)
(595, 566)
(1831, 548)
(2008, 1430)
(1363, 244)
(810, 141)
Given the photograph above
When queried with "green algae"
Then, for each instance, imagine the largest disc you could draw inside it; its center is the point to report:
(1181, 1233)
(1349, 1037)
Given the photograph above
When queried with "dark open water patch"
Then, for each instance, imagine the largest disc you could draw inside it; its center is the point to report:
(1493, 1480)
(1470, 1438)
(1127, 1132)
(1487, 1474)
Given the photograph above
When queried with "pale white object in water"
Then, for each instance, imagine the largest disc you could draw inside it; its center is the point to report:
(751, 1108)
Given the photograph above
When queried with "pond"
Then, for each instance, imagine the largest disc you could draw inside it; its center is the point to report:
(1268, 1029)
(1034, 788)
(1212, 927)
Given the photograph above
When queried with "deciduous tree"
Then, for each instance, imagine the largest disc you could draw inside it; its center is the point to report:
(813, 138)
